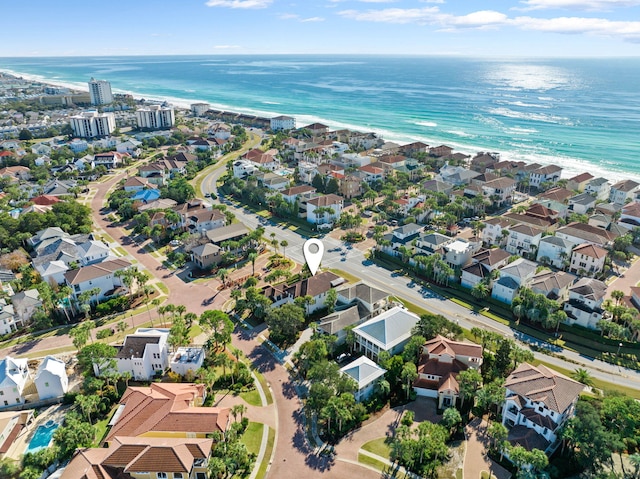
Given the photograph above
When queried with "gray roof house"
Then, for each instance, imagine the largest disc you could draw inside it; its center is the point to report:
(365, 373)
(389, 331)
(25, 303)
(516, 274)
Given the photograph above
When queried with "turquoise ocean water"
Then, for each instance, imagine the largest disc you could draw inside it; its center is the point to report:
(581, 113)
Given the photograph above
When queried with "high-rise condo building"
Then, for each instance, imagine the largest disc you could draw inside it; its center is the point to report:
(100, 92)
(155, 117)
(90, 124)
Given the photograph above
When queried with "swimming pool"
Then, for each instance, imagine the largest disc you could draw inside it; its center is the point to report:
(43, 436)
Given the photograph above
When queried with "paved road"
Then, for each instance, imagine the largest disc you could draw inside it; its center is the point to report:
(353, 261)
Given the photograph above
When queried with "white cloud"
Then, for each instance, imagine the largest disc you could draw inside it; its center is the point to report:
(226, 47)
(239, 3)
(379, 1)
(312, 19)
(429, 15)
(580, 25)
(394, 15)
(294, 16)
(588, 5)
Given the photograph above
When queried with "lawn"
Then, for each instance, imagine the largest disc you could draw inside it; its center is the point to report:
(262, 471)
(163, 288)
(265, 387)
(370, 461)
(252, 437)
(378, 447)
(347, 276)
(121, 251)
(101, 426)
(252, 397)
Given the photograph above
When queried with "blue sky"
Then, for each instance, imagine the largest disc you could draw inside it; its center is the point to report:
(426, 27)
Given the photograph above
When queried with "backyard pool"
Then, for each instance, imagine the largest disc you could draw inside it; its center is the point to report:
(42, 437)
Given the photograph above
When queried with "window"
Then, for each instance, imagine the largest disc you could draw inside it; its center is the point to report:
(46, 385)
(1, 393)
(177, 475)
(161, 475)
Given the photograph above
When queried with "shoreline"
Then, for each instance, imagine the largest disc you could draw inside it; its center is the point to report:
(571, 166)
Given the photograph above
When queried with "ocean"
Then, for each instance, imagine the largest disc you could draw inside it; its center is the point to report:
(583, 114)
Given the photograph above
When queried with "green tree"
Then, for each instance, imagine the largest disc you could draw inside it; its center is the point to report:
(583, 376)
(408, 375)
(451, 419)
(88, 404)
(220, 326)
(284, 323)
(81, 334)
(100, 354)
(74, 434)
(330, 300)
(469, 381)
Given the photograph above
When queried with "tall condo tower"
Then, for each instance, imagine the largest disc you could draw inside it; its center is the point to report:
(100, 92)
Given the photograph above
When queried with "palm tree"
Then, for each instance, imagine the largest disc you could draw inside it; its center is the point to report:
(284, 244)
(223, 274)
(252, 257)
(583, 376)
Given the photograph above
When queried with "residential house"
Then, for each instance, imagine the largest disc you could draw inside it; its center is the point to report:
(14, 374)
(584, 307)
(372, 173)
(517, 274)
(137, 183)
(412, 149)
(458, 253)
(579, 182)
(440, 151)
(232, 232)
(440, 362)
(538, 210)
(546, 174)
(167, 410)
(295, 193)
(282, 122)
(582, 203)
(600, 220)
(273, 181)
(630, 215)
(329, 210)
(101, 276)
(206, 255)
(203, 220)
(431, 243)
(145, 196)
(142, 354)
(559, 194)
(131, 147)
(355, 304)
(58, 188)
(366, 374)
(154, 173)
(389, 331)
(437, 186)
(185, 360)
(12, 425)
(623, 191)
(350, 186)
(499, 191)
(316, 286)
(109, 160)
(316, 129)
(51, 379)
(554, 250)
(8, 323)
(483, 263)
(553, 284)
(261, 159)
(538, 402)
(482, 161)
(599, 187)
(185, 210)
(579, 233)
(524, 240)
(144, 457)
(25, 303)
(456, 175)
(493, 232)
(587, 259)
(17, 172)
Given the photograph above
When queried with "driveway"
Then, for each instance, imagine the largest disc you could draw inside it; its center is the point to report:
(476, 459)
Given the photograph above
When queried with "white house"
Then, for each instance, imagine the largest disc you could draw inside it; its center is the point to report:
(598, 187)
(499, 190)
(142, 354)
(389, 331)
(14, 374)
(584, 307)
(262, 159)
(622, 191)
(482, 264)
(582, 203)
(630, 216)
(25, 304)
(516, 274)
(366, 374)
(199, 109)
(538, 403)
(554, 250)
(545, 174)
(282, 122)
(101, 276)
(458, 253)
(492, 233)
(331, 210)
(587, 258)
(186, 359)
(204, 220)
(51, 379)
(440, 362)
(523, 240)
(7, 318)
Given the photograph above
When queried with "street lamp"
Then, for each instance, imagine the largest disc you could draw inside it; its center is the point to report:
(619, 346)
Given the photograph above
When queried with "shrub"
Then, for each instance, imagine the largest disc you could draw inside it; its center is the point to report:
(113, 305)
(105, 333)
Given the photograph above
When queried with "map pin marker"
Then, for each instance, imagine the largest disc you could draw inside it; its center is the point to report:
(313, 250)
